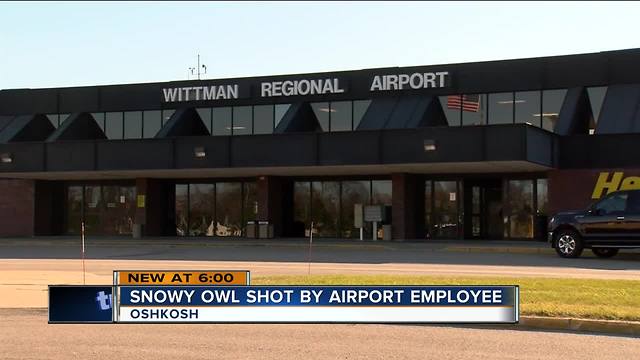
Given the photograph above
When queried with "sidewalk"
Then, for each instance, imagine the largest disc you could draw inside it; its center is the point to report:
(467, 246)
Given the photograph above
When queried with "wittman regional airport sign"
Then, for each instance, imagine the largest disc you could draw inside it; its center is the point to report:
(304, 87)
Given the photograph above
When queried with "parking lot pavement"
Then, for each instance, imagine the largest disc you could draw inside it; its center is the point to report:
(27, 268)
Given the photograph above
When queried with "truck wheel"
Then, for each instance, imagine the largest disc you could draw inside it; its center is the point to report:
(605, 252)
(568, 243)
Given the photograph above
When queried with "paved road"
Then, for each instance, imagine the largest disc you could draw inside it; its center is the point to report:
(26, 335)
(25, 271)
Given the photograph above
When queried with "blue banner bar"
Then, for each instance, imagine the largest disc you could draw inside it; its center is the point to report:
(317, 296)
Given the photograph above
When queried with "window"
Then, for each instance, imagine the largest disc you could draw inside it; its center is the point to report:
(359, 109)
(182, 209)
(221, 118)
(133, 124)
(205, 116)
(113, 125)
(325, 204)
(451, 106)
(280, 111)
(322, 114)
(229, 209)
(250, 206)
(381, 192)
(474, 108)
(242, 124)
(53, 118)
(520, 208)
(341, 115)
(528, 105)
(541, 194)
(551, 103)
(501, 108)
(99, 118)
(201, 207)
(62, 118)
(301, 208)
(596, 98)
(166, 115)
(263, 119)
(612, 204)
(152, 123)
(354, 192)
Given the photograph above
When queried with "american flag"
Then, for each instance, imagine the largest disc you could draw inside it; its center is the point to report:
(468, 102)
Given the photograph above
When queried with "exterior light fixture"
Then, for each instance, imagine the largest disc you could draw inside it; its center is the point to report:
(6, 158)
(429, 145)
(199, 152)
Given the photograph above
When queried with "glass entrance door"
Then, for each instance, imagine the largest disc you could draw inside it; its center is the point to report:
(442, 209)
(483, 211)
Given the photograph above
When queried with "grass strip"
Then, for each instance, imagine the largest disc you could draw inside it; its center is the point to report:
(576, 298)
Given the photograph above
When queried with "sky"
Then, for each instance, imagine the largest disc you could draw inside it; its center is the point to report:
(58, 44)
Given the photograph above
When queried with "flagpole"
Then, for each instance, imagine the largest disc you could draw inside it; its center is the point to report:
(309, 254)
(83, 268)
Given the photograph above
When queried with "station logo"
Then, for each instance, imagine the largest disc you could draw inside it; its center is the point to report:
(614, 182)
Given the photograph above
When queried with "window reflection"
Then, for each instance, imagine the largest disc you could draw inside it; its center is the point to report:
(99, 118)
(445, 209)
(527, 104)
(542, 197)
(596, 98)
(133, 124)
(263, 119)
(152, 123)
(326, 206)
(201, 209)
(451, 106)
(205, 116)
(322, 114)
(359, 109)
(166, 115)
(520, 205)
(551, 103)
(221, 121)
(280, 111)
(501, 108)
(229, 209)
(474, 108)
(113, 125)
(301, 208)
(74, 209)
(341, 116)
(182, 209)
(242, 124)
(53, 118)
(250, 203)
(354, 192)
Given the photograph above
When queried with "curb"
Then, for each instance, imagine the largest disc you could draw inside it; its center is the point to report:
(614, 327)
(629, 328)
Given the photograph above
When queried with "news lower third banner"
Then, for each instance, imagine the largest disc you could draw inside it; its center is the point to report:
(219, 297)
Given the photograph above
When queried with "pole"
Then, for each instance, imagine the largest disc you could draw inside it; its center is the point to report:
(309, 255)
(83, 268)
(198, 66)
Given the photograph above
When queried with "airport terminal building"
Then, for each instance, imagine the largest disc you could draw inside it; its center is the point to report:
(453, 151)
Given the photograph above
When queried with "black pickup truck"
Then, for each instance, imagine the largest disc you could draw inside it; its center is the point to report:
(608, 225)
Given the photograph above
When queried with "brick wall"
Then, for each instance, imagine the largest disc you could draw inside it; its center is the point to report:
(16, 207)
